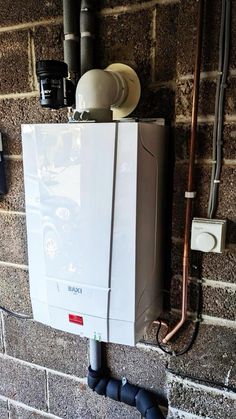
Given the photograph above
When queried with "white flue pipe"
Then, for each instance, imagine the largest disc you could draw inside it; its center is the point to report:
(99, 90)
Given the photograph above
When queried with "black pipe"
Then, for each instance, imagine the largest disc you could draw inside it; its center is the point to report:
(127, 393)
(71, 22)
(87, 31)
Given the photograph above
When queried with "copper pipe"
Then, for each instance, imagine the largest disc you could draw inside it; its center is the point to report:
(190, 195)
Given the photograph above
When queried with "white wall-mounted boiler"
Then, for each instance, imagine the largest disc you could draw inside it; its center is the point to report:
(94, 205)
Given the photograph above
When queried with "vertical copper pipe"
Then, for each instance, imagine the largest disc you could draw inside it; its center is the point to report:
(190, 195)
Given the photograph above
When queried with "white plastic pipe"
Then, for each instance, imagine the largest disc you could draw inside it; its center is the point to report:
(95, 354)
(98, 91)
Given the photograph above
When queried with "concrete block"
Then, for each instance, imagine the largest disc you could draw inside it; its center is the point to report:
(220, 267)
(14, 200)
(117, 3)
(14, 68)
(3, 409)
(215, 266)
(204, 141)
(42, 345)
(212, 356)
(17, 12)
(126, 38)
(156, 103)
(71, 399)
(13, 238)
(186, 39)
(22, 383)
(180, 414)
(48, 41)
(216, 302)
(20, 412)
(166, 45)
(184, 92)
(202, 401)
(15, 289)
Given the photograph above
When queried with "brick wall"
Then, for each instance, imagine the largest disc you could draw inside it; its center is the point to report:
(42, 371)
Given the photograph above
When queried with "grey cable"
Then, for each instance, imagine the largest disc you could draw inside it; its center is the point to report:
(221, 106)
(220, 115)
(220, 69)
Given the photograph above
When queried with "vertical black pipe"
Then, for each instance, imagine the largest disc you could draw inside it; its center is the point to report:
(87, 29)
(71, 21)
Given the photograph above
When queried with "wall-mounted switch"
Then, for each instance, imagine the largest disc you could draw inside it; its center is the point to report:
(208, 235)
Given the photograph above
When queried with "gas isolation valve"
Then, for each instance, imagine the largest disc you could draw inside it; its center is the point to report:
(56, 91)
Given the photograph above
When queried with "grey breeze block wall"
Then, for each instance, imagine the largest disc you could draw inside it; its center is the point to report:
(42, 371)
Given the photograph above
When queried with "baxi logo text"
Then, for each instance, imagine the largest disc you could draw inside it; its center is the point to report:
(75, 290)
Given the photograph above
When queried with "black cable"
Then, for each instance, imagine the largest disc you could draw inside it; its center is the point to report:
(14, 314)
(202, 380)
(187, 348)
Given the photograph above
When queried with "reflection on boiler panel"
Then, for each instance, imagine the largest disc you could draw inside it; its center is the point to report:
(94, 217)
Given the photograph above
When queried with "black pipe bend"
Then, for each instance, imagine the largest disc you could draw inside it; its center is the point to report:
(126, 393)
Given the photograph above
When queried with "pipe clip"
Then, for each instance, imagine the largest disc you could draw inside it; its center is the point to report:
(87, 34)
(71, 37)
(190, 195)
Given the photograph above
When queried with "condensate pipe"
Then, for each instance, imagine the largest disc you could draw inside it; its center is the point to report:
(190, 194)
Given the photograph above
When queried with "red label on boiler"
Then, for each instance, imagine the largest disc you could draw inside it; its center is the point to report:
(74, 318)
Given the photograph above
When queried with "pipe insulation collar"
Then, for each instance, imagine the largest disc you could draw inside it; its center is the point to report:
(126, 393)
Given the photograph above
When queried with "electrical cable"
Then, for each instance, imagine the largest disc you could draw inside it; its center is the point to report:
(221, 107)
(224, 51)
(202, 380)
(14, 314)
(220, 69)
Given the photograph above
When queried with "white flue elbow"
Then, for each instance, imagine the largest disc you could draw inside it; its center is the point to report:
(100, 92)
